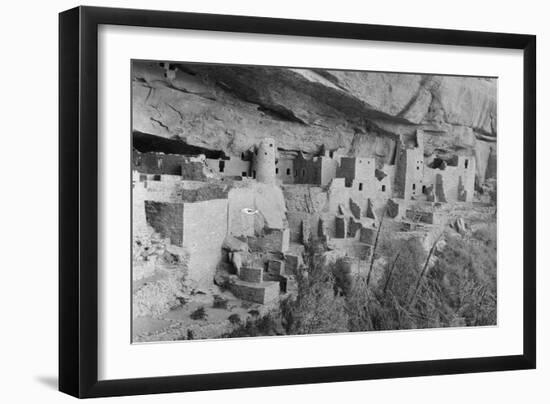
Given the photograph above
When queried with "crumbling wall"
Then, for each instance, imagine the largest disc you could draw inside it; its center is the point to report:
(440, 195)
(364, 168)
(157, 163)
(139, 222)
(409, 171)
(307, 171)
(166, 219)
(234, 166)
(400, 179)
(304, 205)
(284, 170)
(360, 169)
(194, 168)
(274, 240)
(467, 173)
(346, 170)
(453, 183)
(328, 167)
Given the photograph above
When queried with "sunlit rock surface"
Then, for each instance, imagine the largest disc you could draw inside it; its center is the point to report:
(232, 108)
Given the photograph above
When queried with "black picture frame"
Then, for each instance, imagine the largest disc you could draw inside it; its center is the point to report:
(78, 201)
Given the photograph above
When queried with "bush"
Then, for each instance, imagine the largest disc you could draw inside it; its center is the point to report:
(256, 327)
(316, 308)
(199, 314)
(460, 288)
(219, 302)
(466, 276)
(383, 306)
(235, 319)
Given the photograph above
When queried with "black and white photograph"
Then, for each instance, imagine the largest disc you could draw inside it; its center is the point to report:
(273, 201)
(276, 202)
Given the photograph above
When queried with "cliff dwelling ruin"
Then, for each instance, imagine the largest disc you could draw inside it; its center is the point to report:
(223, 236)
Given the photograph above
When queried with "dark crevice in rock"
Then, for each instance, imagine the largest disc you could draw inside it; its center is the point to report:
(145, 142)
(280, 113)
(184, 90)
(422, 86)
(371, 127)
(171, 86)
(160, 124)
(177, 111)
(483, 135)
(186, 69)
(330, 77)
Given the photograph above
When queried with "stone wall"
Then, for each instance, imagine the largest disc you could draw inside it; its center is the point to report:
(251, 274)
(157, 163)
(166, 219)
(239, 222)
(307, 171)
(204, 230)
(234, 166)
(263, 293)
(274, 240)
(263, 167)
(304, 204)
(284, 170)
(453, 183)
(139, 222)
(328, 167)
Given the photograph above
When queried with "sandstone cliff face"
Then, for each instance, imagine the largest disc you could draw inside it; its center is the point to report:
(232, 108)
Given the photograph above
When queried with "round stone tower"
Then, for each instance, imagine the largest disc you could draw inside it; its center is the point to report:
(264, 162)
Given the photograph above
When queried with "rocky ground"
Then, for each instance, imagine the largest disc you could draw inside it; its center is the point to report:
(206, 314)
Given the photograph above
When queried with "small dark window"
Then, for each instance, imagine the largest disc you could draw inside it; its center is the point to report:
(271, 145)
(276, 171)
(418, 168)
(242, 156)
(254, 174)
(383, 188)
(423, 189)
(360, 186)
(466, 163)
(288, 171)
(303, 172)
(265, 153)
(142, 177)
(414, 187)
(222, 166)
(243, 174)
(331, 154)
(156, 177)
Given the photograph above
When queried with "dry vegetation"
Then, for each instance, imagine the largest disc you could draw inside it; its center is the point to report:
(458, 288)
